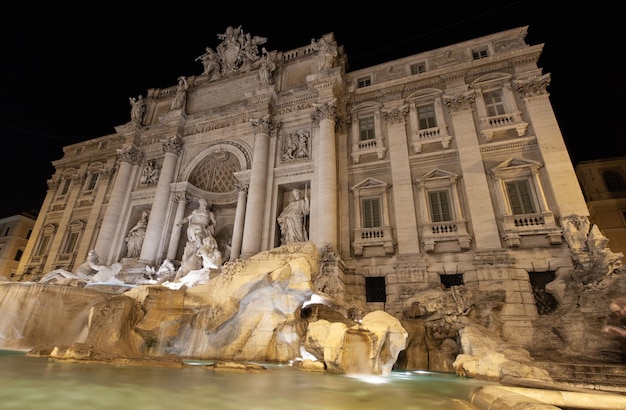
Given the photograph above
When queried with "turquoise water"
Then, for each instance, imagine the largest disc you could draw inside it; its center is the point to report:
(40, 383)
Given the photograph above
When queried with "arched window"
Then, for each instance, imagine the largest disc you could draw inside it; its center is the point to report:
(613, 181)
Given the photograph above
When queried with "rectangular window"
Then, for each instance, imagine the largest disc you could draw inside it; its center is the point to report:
(65, 187)
(6, 232)
(519, 196)
(364, 82)
(19, 254)
(103, 144)
(480, 53)
(426, 116)
(366, 128)
(371, 213)
(91, 182)
(30, 231)
(71, 242)
(418, 68)
(439, 206)
(494, 103)
(375, 290)
(43, 245)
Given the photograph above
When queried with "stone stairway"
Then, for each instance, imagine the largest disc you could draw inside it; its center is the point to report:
(591, 376)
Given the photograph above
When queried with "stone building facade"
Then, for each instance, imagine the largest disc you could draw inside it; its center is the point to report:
(439, 169)
(603, 182)
(15, 231)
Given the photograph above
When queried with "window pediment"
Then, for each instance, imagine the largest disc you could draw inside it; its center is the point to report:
(370, 184)
(513, 166)
(491, 80)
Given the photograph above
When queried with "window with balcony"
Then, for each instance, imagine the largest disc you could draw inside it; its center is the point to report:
(441, 215)
(426, 116)
(523, 206)
(70, 243)
(43, 244)
(371, 212)
(427, 120)
(439, 206)
(494, 103)
(496, 107)
(372, 232)
(366, 131)
(366, 128)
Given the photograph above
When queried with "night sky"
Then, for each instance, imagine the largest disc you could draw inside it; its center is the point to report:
(67, 71)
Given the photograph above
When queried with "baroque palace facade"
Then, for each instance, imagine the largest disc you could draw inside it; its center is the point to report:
(440, 169)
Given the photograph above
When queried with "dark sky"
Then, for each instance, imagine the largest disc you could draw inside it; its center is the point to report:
(67, 71)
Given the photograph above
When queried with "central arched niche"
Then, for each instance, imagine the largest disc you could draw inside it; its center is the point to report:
(212, 176)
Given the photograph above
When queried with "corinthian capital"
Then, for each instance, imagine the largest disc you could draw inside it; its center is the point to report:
(396, 115)
(324, 111)
(130, 155)
(461, 101)
(533, 85)
(262, 125)
(172, 144)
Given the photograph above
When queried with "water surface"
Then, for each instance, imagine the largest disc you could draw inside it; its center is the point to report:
(40, 383)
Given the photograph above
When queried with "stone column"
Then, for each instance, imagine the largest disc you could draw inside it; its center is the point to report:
(181, 199)
(156, 224)
(239, 219)
(324, 115)
(406, 222)
(556, 161)
(126, 157)
(486, 235)
(255, 206)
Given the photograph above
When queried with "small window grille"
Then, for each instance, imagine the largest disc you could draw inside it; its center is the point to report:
(478, 54)
(418, 68)
(452, 280)
(375, 290)
(364, 82)
(546, 302)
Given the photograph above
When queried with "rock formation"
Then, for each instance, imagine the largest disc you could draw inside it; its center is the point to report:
(251, 311)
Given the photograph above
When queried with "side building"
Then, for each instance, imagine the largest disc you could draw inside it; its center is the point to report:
(604, 186)
(15, 231)
(440, 169)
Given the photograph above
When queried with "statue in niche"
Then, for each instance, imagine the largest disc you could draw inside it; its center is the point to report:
(150, 173)
(136, 235)
(180, 96)
(201, 224)
(292, 220)
(138, 108)
(326, 51)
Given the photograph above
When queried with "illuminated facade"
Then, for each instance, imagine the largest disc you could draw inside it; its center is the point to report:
(445, 167)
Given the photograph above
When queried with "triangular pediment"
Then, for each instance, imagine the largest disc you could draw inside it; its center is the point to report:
(369, 183)
(515, 163)
(438, 174)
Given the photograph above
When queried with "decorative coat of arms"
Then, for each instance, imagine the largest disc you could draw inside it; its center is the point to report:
(238, 52)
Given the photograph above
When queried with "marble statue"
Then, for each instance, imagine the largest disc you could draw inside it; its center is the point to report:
(180, 96)
(326, 51)
(292, 219)
(201, 224)
(138, 108)
(135, 237)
